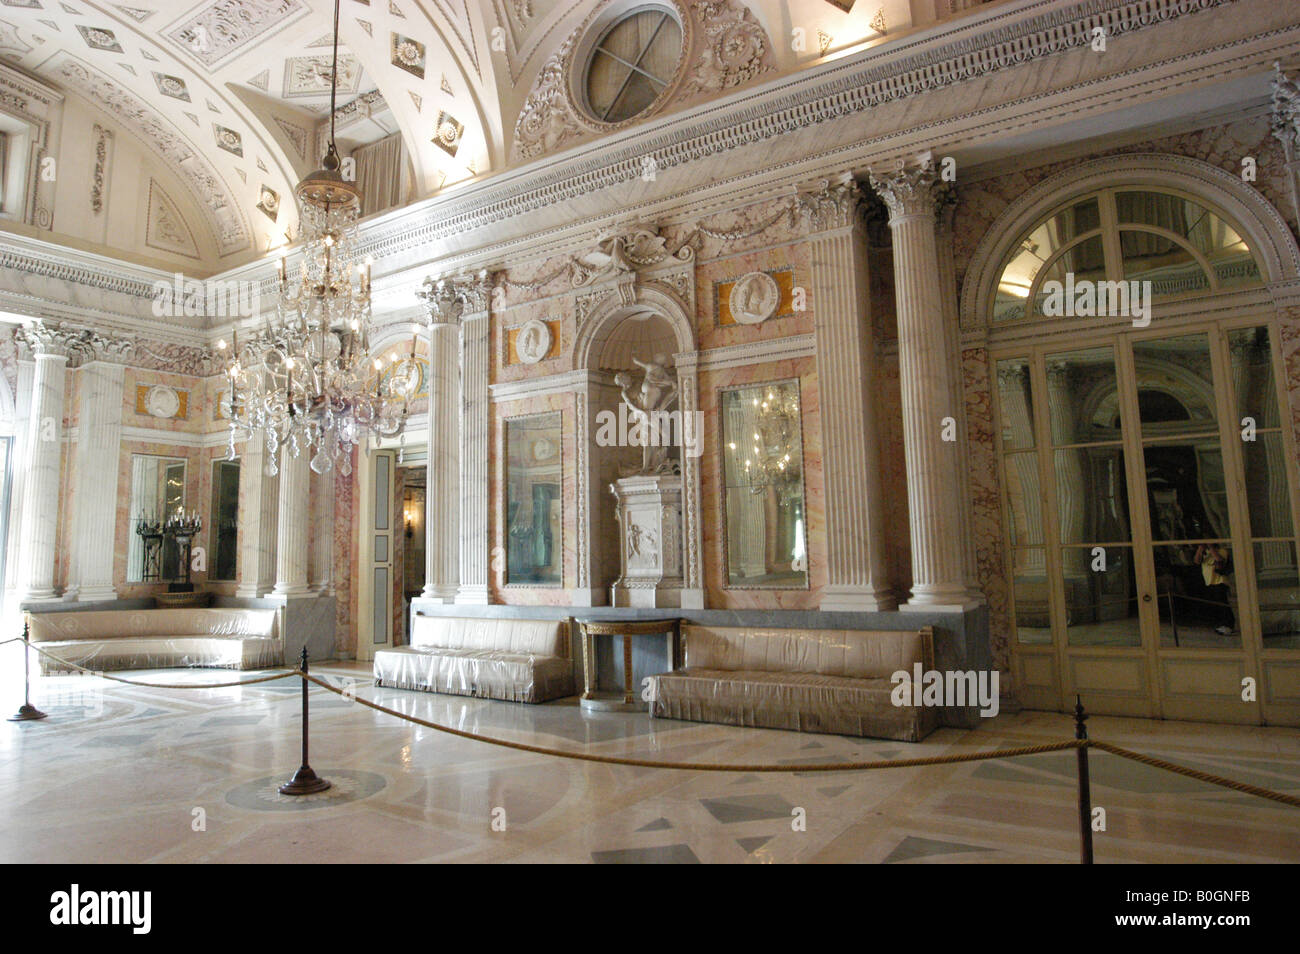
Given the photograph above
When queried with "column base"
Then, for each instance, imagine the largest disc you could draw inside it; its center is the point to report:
(40, 596)
(441, 593)
(292, 590)
(942, 599)
(252, 592)
(858, 599)
(93, 594)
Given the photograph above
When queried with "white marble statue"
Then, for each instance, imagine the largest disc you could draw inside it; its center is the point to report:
(649, 404)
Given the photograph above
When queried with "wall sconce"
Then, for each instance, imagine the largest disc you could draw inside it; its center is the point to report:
(410, 523)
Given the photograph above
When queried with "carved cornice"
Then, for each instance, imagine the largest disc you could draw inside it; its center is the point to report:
(998, 41)
(911, 189)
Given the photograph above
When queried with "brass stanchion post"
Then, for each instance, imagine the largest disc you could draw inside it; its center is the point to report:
(26, 712)
(1085, 790)
(304, 781)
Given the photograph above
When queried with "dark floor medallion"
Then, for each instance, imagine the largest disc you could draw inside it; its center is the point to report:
(346, 786)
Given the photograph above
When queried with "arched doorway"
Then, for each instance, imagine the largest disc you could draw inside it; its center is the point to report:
(1147, 458)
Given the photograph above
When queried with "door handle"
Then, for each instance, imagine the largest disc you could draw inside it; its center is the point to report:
(1146, 597)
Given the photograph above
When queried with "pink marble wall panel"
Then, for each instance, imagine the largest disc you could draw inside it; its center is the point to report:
(347, 535)
(709, 275)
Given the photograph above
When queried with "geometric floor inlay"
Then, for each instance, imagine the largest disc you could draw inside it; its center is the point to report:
(913, 847)
(346, 785)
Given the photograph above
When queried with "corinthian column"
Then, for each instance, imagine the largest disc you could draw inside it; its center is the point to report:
(442, 496)
(474, 295)
(293, 532)
(846, 379)
(99, 447)
(40, 516)
(930, 410)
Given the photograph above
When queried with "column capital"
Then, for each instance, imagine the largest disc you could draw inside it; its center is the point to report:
(834, 202)
(78, 344)
(1284, 122)
(912, 188)
(449, 300)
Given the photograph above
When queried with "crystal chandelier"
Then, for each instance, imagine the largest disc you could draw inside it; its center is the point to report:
(774, 459)
(306, 380)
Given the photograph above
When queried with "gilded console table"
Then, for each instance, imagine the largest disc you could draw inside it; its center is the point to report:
(592, 628)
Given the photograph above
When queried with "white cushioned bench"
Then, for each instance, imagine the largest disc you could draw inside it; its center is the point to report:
(159, 638)
(833, 681)
(518, 660)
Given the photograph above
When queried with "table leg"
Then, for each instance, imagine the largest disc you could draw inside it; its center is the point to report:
(628, 696)
(588, 666)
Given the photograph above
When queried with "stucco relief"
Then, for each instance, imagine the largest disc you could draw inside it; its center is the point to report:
(723, 47)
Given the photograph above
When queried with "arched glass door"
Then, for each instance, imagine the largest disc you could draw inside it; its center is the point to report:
(1150, 505)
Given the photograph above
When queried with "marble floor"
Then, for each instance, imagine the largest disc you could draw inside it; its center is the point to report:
(125, 774)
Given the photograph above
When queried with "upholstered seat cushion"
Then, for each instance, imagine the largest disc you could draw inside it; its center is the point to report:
(225, 638)
(798, 701)
(518, 660)
(490, 673)
(181, 652)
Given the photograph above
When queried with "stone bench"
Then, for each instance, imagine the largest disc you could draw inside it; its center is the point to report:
(159, 638)
(833, 681)
(518, 660)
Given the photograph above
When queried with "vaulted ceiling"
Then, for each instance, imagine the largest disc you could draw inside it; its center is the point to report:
(231, 94)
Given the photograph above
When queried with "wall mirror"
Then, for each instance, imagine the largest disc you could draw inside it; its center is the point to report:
(533, 507)
(762, 465)
(157, 492)
(224, 520)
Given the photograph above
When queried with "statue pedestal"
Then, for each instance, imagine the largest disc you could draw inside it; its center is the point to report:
(649, 512)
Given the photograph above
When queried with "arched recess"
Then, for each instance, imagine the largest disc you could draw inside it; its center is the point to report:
(609, 307)
(1260, 224)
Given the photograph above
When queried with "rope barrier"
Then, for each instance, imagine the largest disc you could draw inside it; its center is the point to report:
(701, 766)
(1219, 780)
(719, 766)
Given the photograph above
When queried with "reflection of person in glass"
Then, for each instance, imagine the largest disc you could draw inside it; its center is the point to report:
(1215, 566)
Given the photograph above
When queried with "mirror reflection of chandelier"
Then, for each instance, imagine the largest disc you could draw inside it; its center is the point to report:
(306, 380)
(773, 460)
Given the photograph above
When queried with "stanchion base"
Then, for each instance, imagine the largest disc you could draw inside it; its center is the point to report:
(26, 713)
(304, 782)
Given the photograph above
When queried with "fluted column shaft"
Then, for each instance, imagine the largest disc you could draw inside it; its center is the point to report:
(474, 461)
(292, 535)
(925, 371)
(320, 569)
(99, 447)
(22, 420)
(856, 576)
(442, 496)
(41, 491)
(258, 508)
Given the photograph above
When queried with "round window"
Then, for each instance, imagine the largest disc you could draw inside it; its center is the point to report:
(632, 64)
